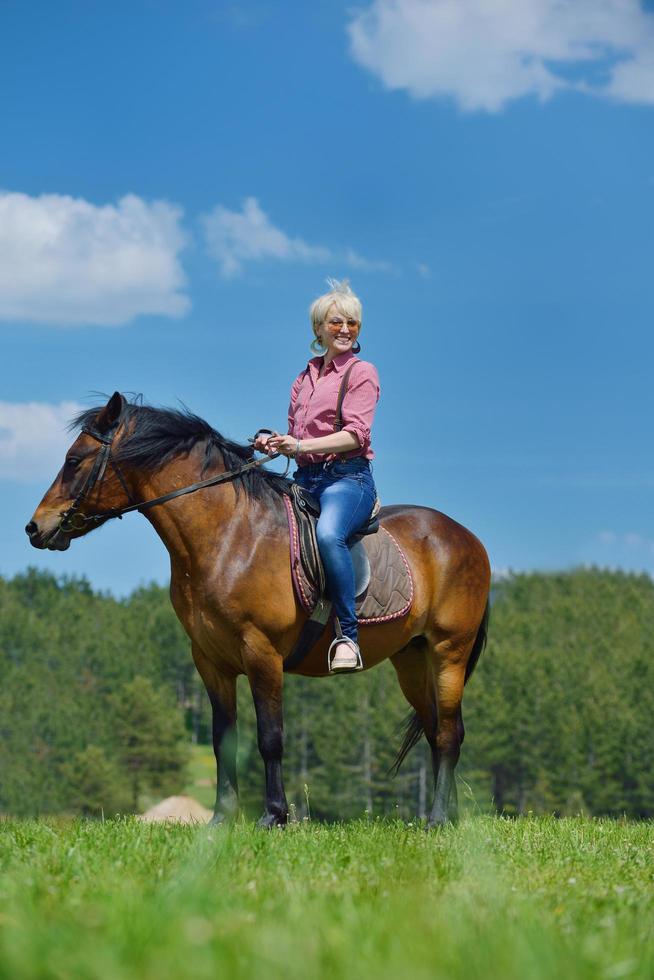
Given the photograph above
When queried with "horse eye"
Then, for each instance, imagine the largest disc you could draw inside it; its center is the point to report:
(72, 461)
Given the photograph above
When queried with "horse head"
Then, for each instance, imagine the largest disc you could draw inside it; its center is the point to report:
(84, 486)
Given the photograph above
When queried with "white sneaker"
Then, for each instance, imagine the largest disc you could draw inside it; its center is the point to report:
(347, 656)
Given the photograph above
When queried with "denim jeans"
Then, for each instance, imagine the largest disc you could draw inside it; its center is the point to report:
(346, 492)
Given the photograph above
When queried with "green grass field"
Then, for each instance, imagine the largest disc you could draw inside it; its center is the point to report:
(490, 898)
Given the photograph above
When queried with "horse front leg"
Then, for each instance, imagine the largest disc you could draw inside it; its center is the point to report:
(223, 730)
(221, 689)
(265, 673)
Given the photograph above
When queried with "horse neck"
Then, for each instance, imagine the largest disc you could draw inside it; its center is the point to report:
(188, 523)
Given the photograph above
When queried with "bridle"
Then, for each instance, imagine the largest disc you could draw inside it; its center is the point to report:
(72, 519)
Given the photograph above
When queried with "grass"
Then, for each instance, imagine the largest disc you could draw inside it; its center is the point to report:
(201, 770)
(530, 898)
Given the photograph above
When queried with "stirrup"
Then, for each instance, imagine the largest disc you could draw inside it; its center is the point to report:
(358, 665)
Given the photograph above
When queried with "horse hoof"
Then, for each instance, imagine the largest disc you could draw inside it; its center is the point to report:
(225, 812)
(270, 820)
(220, 820)
(440, 822)
(437, 821)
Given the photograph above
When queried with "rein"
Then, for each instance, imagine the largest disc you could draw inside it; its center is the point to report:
(73, 520)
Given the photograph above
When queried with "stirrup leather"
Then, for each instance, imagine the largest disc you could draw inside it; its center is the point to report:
(355, 649)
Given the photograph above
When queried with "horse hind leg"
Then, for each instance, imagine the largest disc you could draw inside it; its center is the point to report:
(414, 674)
(448, 661)
(432, 677)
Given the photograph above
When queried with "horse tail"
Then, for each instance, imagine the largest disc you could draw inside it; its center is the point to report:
(413, 731)
(412, 725)
(480, 642)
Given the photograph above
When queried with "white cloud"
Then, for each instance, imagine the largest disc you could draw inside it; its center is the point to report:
(33, 439)
(484, 53)
(68, 262)
(356, 261)
(633, 80)
(236, 237)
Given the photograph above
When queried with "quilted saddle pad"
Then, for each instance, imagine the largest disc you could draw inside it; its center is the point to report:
(389, 593)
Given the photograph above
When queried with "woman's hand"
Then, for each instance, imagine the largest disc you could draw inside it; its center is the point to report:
(261, 443)
(286, 445)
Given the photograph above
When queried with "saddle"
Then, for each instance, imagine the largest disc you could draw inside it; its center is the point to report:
(383, 582)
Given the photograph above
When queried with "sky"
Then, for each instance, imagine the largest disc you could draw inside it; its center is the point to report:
(177, 181)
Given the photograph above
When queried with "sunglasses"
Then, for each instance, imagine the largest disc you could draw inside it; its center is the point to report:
(335, 325)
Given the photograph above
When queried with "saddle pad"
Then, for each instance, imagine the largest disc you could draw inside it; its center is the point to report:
(390, 592)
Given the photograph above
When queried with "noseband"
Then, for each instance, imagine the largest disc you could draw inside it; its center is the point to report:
(73, 520)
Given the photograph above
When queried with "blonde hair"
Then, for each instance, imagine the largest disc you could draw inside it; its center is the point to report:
(341, 296)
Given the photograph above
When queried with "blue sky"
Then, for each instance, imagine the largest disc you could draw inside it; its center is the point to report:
(177, 180)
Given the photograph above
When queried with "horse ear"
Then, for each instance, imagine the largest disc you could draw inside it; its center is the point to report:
(110, 414)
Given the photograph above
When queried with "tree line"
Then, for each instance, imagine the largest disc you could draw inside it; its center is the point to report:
(100, 702)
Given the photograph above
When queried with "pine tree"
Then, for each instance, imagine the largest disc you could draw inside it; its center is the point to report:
(148, 737)
(95, 785)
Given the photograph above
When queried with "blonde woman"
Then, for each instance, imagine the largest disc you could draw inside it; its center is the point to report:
(333, 464)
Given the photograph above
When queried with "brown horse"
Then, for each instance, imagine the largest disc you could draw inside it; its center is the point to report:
(231, 583)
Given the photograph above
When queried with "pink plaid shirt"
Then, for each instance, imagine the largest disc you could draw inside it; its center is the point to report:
(313, 404)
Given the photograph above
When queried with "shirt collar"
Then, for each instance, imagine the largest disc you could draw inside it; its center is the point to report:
(340, 362)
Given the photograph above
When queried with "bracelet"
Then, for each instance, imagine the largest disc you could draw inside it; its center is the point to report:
(297, 447)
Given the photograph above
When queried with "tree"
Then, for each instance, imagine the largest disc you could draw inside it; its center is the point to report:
(149, 738)
(95, 784)
(558, 713)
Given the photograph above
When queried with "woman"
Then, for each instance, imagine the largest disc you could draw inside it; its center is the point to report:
(333, 463)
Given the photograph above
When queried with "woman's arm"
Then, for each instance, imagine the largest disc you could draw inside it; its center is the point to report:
(335, 442)
(358, 411)
(360, 403)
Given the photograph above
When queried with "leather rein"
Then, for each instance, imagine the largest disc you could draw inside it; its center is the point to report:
(73, 520)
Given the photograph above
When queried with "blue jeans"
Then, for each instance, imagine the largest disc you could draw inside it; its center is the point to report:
(346, 492)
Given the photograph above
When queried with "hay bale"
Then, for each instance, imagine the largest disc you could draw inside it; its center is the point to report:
(177, 809)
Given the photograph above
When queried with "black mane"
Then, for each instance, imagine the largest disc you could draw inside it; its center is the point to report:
(159, 434)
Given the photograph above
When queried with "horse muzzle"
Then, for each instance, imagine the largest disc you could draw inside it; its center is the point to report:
(55, 540)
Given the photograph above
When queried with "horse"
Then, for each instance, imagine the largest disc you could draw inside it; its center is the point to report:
(231, 586)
